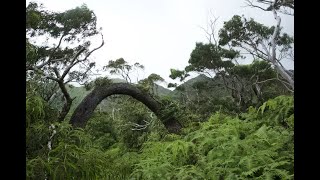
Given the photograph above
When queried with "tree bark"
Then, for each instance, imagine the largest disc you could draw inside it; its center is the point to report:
(67, 104)
(279, 69)
(85, 109)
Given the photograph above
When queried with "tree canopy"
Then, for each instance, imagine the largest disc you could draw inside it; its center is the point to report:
(55, 62)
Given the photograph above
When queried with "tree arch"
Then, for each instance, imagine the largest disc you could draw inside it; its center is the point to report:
(85, 109)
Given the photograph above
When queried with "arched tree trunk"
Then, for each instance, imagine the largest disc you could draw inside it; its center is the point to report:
(85, 109)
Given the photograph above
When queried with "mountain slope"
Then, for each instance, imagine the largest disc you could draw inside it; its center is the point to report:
(213, 87)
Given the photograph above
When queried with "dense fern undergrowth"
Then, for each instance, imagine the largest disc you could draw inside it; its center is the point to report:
(258, 144)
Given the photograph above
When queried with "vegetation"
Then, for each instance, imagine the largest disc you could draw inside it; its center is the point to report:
(233, 121)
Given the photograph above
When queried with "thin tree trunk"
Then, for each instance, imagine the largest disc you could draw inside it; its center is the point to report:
(67, 104)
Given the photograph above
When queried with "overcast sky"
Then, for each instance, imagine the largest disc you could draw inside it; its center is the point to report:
(160, 34)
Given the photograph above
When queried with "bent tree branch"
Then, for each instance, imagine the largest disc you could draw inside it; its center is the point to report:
(85, 109)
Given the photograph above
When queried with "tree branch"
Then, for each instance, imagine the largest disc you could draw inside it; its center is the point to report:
(94, 49)
(74, 62)
(50, 60)
(44, 63)
(55, 70)
(70, 80)
(249, 3)
(260, 82)
(66, 71)
(256, 53)
(274, 5)
(54, 50)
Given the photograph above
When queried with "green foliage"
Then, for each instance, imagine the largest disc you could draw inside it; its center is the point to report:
(239, 31)
(121, 67)
(31, 52)
(155, 77)
(256, 145)
(175, 73)
(225, 148)
(72, 155)
(124, 139)
(118, 65)
(247, 85)
(121, 164)
(279, 110)
(170, 109)
(233, 89)
(79, 20)
(149, 84)
(100, 81)
(260, 69)
(51, 66)
(34, 109)
(210, 56)
(101, 132)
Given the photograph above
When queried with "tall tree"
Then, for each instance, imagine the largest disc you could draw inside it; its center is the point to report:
(275, 6)
(219, 57)
(67, 60)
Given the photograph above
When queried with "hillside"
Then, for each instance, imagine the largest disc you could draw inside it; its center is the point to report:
(214, 86)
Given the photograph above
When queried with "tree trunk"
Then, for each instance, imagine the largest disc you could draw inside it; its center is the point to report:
(67, 104)
(85, 109)
(278, 68)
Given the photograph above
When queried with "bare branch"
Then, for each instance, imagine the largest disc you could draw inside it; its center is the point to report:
(70, 80)
(66, 71)
(42, 73)
(50, 60)
(284, 11)
(138, 127)
(212, 28)
(278, 79)
(267, 52)
(274, 5)
(255, 52)
(94, 49)
(210, 31)
(207, 34)
(285, 84)
(226, 85)
(44, 63)
(52, 78)
(265, 80)
(250, 4)
(54, 50)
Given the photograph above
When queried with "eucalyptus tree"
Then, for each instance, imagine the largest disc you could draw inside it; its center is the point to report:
(212, 60)
(58, 47)
(219, 57)
(276, 6)
(217, 60)
(262, 42)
